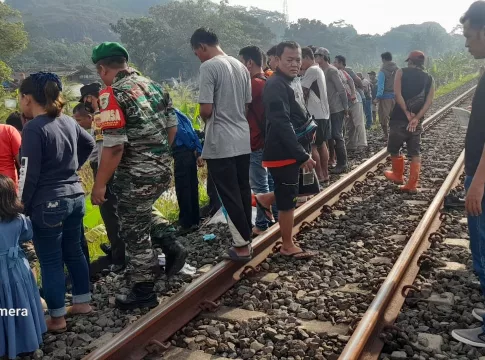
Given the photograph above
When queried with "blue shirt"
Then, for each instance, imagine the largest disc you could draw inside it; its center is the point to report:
(52, 151)
(186, 135)
(381, 80)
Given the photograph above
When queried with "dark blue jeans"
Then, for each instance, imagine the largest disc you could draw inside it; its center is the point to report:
(261, 182)
(476, 228)
(57, 226)
(368, 112)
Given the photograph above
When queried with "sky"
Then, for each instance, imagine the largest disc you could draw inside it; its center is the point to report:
(370, 16)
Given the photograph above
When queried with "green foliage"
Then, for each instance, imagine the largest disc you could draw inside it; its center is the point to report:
(446, 89)
(13, 37)
(5, 72)
(159, 43)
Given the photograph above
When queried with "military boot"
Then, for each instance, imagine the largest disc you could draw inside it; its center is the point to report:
(141, 295)
(175, 256)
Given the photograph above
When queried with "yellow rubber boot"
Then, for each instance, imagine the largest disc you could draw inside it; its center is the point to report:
(397, 173)
(412, 184)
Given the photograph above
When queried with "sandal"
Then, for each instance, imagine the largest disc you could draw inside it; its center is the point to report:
(301, 255)
(232, 255)
(268, 214)
(70, 313)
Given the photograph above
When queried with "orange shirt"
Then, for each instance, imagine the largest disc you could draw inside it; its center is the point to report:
(9, 148)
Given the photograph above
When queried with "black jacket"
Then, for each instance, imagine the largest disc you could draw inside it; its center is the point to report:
(283, 115)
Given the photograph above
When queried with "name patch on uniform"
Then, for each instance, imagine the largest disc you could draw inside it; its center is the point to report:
(111, 114)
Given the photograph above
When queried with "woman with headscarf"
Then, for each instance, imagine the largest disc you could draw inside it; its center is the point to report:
(54, 147)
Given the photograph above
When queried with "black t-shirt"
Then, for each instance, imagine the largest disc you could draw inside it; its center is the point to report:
(475, 135)
(412, 83)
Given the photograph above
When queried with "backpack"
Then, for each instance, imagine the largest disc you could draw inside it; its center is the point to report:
(261, 122)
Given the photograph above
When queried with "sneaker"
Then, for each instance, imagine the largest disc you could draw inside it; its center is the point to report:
(473, 337)
(339, 170)
(478, 314)
(455, 200)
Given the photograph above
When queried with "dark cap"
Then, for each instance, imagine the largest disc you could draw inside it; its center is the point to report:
(322, 52)
(372, 73)
(91, 89)
(108, 49)
(416, 55)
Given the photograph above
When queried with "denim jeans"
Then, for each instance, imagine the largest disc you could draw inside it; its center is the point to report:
(476, 228)
(57, 240)
(368, 112)
(261, 183)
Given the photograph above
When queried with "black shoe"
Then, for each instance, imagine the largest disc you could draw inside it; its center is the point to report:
(455, 200)
(106, 248)
(175, 256)
(141, 295)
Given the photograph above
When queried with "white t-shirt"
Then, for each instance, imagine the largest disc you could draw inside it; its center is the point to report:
(317, 105)
(225, 83)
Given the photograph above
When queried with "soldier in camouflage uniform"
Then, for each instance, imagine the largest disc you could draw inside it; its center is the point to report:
(139, 126)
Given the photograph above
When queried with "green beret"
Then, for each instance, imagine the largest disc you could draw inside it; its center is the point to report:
(108, 49)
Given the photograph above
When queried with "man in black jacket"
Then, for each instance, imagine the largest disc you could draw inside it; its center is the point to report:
(283, 154)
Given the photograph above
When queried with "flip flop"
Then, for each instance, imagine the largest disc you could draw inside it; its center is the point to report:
(324, 182)
(266, 211)
(232, 255)
(301, 255)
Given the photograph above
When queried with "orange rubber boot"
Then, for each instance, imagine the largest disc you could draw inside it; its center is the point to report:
(412, 184)
(397, 173)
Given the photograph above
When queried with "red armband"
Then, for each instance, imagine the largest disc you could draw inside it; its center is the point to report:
(111, 114)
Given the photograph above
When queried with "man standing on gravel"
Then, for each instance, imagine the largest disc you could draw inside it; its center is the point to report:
(315, 92)
(385, 91)
(339, 106)
(284, 154)
(138, 124)
(474, 31)
(225, 92)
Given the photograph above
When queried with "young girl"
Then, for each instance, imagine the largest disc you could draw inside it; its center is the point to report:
(21, 316)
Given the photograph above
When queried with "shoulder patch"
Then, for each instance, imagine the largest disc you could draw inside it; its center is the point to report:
(103, 101)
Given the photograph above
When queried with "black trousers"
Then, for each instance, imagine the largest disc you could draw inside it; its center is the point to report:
(214, 202)
(186, 186)
(109, 214)
(231, 178)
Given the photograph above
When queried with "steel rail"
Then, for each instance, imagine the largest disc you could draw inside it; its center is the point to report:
(148, 333)
(364, 333)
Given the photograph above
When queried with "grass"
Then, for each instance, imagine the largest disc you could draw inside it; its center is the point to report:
(446, 89)
(166, 206)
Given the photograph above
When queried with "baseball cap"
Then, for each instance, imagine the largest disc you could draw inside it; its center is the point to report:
(322, 52)
(372, 73)
(91, 89)
(416, 55)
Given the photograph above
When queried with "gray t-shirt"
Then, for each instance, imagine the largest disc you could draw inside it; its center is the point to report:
(337, 97)
(225, 83)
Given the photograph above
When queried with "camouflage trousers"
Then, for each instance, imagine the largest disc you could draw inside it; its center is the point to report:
(136, 196)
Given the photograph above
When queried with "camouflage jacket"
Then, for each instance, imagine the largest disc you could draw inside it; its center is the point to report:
(148, 113)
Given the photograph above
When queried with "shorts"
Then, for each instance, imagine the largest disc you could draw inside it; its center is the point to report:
(286, 186)
(324, 131)
(398, 135)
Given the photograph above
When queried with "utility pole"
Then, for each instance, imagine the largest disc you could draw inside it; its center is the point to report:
(285, 12)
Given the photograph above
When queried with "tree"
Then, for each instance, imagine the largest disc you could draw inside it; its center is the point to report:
(159, 43)
(13, 37)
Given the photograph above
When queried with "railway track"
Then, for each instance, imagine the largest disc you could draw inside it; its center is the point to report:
(339, 305)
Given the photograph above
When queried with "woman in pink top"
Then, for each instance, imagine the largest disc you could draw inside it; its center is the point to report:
(9, 151)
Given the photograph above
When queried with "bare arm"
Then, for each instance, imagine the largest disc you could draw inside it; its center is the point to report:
(172, 131)
(205, 111)
(397, 91)
(474, 195)
(306, 94)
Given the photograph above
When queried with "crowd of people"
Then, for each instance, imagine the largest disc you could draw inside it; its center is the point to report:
(276, 125)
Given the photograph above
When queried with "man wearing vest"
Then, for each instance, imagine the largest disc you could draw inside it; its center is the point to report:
(138, 124)
(259, 177)
(385, 91)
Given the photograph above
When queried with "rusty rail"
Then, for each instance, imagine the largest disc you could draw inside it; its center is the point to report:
(149, 332)
(404, 264)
